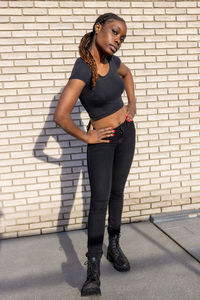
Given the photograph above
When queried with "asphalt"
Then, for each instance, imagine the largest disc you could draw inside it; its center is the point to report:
(51, 267)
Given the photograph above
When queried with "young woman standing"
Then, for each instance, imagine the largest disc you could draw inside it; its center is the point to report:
(99, 79)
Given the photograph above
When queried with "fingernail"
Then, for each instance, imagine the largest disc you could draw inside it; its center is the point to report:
(114, 130)
(112, 134)
(108, 141)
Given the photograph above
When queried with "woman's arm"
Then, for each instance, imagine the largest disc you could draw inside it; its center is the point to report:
(62, 115)
(125, 73)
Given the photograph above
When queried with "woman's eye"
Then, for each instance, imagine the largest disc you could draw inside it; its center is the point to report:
(114, 31)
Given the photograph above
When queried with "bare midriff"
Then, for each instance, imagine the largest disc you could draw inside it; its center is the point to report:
(113, 120)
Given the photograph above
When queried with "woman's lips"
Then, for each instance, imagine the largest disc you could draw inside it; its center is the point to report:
(113, 48)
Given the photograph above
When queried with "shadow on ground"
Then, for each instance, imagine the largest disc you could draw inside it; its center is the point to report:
(71, 170)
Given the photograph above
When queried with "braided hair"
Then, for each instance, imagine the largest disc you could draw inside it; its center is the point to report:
(86, 42)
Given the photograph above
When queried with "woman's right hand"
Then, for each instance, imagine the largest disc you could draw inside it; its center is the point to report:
(97, 136)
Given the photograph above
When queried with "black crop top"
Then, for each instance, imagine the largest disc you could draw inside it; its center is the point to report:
(105, 98)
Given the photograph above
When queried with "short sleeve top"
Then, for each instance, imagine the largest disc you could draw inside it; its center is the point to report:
(106, 97)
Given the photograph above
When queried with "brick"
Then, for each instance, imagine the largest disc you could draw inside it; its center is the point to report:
(186, 4)
(46, 4)
(22, 19)
(34, 11)
(176, 25)
(191, 206)
(36, 26)
(71, 4)
(171, 209)
(10, 11)
(186, 18)
(115, 4)
(17, 215)
(6, 223)
(52, 230)
(40, 224)
(20, 3)
(4, 3)
(87, 11)
(47, 19)
(29, 232)
(154, 11)
(16, 228)
(194, 24)
(144, 4)
(166, 45)
(161, 204)
(175, 11)
(74, 227)
(195, 11)
(11, 41)
(151, 211)
(28, 220)
(60, 11)
(187, 44)
(8, 235)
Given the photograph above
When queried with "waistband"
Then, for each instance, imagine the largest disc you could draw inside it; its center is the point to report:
(123, 125)
(120, 130)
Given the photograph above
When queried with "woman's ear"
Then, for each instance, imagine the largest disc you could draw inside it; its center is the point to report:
(97, 28)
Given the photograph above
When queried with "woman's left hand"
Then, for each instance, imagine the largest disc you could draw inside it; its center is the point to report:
(130, 111)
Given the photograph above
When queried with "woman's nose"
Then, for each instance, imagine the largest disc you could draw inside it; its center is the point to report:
(117, 40)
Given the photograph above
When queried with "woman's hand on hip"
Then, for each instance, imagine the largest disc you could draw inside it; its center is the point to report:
(130, 111)
(97, 136)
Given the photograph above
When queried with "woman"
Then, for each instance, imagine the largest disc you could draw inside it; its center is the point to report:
(98, 79)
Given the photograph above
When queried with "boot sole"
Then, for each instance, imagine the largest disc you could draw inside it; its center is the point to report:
(116, 266)
(91, 292)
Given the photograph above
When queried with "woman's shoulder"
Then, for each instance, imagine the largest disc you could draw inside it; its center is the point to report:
(81, 70)
(81, 63)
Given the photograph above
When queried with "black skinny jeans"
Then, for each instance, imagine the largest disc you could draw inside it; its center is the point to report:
(108, 168)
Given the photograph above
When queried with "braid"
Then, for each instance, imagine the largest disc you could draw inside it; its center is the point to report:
(86, 41)
(87, 56)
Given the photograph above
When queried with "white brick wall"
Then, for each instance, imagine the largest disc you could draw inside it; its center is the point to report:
(44, 181)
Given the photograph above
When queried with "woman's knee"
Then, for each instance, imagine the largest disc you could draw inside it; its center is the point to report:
(117, 194)
(98, 206)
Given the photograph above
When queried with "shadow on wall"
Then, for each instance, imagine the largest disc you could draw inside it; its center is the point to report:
(71, 172)
(1, 215)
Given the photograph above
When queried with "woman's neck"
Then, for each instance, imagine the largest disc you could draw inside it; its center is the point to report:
(98, 55)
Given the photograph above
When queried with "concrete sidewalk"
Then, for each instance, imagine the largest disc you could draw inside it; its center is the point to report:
(51, 267)
(183, 228)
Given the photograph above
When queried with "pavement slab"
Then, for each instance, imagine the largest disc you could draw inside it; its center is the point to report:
(182, 228)
(51, 267)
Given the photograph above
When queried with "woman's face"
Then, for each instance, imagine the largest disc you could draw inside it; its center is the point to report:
(110, 36)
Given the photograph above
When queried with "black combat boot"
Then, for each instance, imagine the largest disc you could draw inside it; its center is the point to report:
(115, 254)
(92, 284)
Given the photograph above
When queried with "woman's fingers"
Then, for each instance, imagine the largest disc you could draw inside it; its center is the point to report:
(106, 130)
(99, 135)
(104, 133)
(129, 118)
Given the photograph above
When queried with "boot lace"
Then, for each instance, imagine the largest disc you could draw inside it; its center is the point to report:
(93, 267)
(116, 247)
